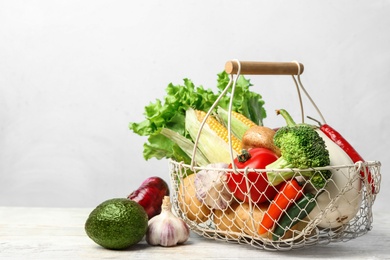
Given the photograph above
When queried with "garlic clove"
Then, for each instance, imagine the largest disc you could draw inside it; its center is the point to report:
(218, 196)
(166, 229)
(210, 186)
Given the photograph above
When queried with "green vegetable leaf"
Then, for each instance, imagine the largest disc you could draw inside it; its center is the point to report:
(169, 113)
(159, 147)
(246, 102)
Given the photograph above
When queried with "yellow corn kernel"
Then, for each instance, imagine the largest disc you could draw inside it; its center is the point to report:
(239, 123)
(219, 129)
(243, 119)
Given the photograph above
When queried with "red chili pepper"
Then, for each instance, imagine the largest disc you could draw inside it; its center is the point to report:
(291, 191)
(337, 138)
(259, 187)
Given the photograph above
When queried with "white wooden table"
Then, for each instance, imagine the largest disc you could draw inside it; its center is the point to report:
(58, 233)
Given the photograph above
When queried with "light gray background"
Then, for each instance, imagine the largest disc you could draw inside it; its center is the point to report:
(73, 74)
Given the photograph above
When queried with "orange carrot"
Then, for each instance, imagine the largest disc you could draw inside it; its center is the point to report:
(289, 192)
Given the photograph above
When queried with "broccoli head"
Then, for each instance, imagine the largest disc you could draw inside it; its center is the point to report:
(303, 148)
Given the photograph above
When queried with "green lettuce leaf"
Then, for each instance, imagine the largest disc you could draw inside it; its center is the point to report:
(169, 113)
(245, 101)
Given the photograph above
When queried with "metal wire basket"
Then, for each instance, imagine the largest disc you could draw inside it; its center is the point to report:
(340, 211)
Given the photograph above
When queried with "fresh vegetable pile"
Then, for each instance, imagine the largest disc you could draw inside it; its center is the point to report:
(274, 187)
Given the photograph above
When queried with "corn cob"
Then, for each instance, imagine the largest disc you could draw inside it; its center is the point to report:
(213, 144)
(243, 119)
(219, 129)
(239, 123)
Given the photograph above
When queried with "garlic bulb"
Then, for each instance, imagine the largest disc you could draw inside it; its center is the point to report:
(210, 186)
(166, 229)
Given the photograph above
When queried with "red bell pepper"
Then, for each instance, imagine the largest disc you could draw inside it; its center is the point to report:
(259, 188)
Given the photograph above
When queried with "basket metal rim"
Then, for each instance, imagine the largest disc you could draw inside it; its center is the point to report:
(359, 164)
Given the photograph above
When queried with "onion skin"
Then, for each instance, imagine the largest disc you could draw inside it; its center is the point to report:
(150, 195)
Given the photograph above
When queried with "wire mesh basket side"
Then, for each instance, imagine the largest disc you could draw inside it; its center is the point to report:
(238, 222)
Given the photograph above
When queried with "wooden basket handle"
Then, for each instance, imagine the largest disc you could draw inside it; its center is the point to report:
(264, 68)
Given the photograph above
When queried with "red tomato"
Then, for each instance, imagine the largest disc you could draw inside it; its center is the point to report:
(259, 188)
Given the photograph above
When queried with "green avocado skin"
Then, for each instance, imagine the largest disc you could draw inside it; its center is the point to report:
(117, 223)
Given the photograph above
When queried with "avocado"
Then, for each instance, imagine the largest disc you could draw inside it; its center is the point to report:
(117, 223)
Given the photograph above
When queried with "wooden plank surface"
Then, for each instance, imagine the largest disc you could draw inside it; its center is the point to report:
(58, 233)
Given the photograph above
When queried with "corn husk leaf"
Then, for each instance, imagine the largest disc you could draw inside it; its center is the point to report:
(238, 128)
(186, 145)
(210, 144)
